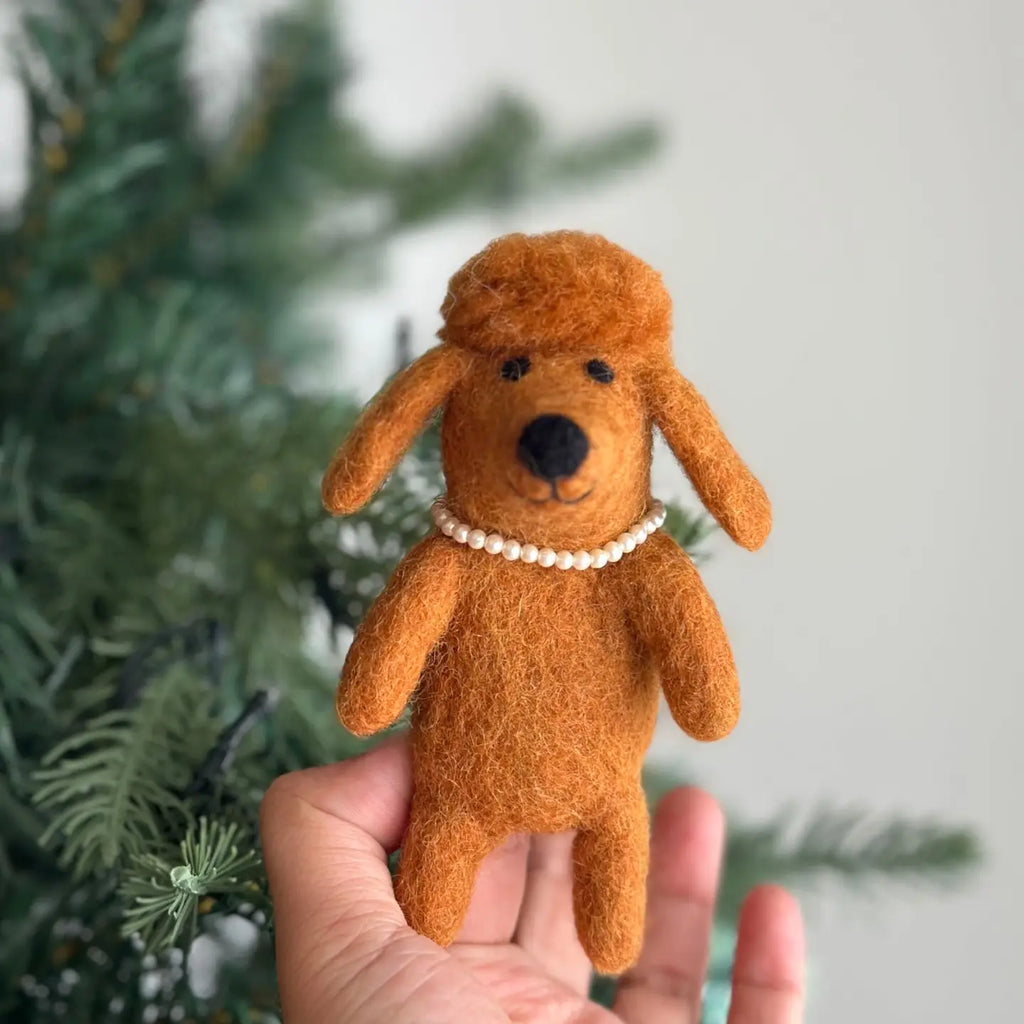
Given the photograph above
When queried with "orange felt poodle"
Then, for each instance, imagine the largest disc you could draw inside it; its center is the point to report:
(534, 627)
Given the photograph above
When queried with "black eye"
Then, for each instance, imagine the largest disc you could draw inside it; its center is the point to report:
(513, 369)
(601, 372)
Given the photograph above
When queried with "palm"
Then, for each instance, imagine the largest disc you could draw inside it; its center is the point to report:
(525, 989)
(345, 954)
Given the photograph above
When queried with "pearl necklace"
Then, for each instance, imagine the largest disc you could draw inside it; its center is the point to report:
(496, 544)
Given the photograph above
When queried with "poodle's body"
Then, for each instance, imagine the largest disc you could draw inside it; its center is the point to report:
(552, 731)
(534, 689)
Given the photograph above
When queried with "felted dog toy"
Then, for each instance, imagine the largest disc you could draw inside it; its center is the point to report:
(537, 623)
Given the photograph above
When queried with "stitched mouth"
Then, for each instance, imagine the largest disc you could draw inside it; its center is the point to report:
(553, 497)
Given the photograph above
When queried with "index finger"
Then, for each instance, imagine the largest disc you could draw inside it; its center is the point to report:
(686, 854)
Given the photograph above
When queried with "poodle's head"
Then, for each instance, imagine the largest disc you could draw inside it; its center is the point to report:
(547, 434)
(554, 364)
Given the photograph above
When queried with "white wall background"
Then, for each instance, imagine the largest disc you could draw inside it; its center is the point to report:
(839, 217)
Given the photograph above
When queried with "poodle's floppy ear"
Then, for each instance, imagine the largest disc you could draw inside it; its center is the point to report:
(386, 428)
(730, 492)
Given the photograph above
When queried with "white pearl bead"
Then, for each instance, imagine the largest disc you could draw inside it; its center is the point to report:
(546, 557)
(493, 543)
(614, 549)
(460, 533)
(563, 560)
(448, 526)
(511, 550)
(599, 558)
(638, 532)
(476, 539)
(627, 542)
(529, 553)
(581, 560)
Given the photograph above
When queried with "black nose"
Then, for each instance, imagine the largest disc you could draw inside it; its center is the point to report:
(552, 446)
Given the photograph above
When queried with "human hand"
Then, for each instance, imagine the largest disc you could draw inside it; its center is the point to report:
(346, 956)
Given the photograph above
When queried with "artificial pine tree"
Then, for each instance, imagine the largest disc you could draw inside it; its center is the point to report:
(164, 558)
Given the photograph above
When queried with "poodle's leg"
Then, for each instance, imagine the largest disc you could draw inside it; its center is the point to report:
(442, 851)
(610, 883)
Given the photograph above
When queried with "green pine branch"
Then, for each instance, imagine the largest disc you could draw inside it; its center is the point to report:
(113, 788)
(165, 894)
(845, 845)
(848, 845)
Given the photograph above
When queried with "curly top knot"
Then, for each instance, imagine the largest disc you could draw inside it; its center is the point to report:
(565, 291)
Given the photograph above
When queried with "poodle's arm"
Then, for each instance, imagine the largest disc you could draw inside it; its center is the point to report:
(679, 625)
(400, 629)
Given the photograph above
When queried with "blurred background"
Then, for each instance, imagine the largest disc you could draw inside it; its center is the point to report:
(832, 192)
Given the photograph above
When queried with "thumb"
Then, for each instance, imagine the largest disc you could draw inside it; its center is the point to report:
(326, 834)
(344, 951)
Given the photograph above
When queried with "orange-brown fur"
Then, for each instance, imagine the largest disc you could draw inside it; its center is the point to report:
(535, 690)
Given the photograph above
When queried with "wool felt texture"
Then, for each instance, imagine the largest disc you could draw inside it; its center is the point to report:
(534, 692)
